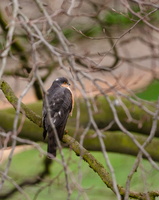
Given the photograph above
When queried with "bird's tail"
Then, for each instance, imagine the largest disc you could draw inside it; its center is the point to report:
(52, 144)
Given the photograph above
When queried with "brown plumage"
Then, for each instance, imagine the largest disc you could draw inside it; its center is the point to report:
(60, 102)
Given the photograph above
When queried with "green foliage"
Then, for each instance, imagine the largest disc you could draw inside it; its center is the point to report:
(155, 17)
(112, 18)
(125, 19)
(151, 92)
(93, 31)
(68, 33)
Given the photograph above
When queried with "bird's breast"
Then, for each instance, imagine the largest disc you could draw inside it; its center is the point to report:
(72, 96)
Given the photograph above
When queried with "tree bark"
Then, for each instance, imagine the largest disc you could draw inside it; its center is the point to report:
(122, 144)
(103, 117)
(32, 129)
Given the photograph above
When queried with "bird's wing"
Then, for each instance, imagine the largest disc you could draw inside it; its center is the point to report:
(44, 118)
(60, 102)
(60, 106)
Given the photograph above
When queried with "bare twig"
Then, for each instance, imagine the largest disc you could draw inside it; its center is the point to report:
(10, 33)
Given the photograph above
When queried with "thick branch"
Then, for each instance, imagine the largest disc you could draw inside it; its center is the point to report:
(100, 170)
(103, 117)
(125, 144)
(76, 147)
(9, 94)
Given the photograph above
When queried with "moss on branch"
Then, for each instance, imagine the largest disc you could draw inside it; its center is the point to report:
(103, 117)
(89, 158)
(75, 146)
(31, 130)
(9, 94)
(125, 145)
(101, 171)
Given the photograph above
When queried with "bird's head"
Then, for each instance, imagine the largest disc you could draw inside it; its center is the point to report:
(62, 81)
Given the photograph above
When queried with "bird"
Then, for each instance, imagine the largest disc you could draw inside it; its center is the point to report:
(58, 103)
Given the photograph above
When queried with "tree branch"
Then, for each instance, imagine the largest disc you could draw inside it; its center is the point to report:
(9, 94)
(76, 147)
(100, 170)
(125, 144)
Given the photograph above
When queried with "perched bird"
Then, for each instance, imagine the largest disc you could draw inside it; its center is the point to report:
(59, 100)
